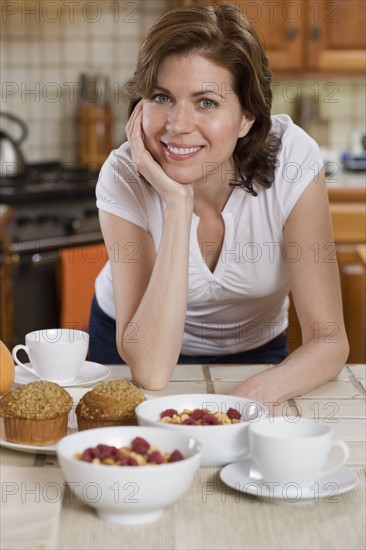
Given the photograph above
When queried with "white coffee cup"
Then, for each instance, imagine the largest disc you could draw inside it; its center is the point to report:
(56, 354)
(293, 450)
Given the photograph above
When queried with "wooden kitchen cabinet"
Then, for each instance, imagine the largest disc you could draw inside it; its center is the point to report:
(352, 270)
(348, 211)
(308, 36)
(336, 35)
(349, 226)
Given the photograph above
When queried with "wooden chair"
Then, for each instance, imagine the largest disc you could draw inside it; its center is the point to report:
(78, 269)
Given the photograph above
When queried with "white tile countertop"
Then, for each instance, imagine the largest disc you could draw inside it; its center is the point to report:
(341, 402)
(336, 176)
(343, 178)
(211, 515)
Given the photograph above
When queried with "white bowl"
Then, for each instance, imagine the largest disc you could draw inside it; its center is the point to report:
(129, 494)
(221, 443)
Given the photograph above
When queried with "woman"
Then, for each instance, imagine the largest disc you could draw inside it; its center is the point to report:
(211, 213)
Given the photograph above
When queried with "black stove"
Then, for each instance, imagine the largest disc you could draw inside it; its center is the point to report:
(48, 181)
(54, 207)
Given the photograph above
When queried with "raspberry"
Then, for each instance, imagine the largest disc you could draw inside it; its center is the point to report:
(168, 412)
(155, 457)
(140, 445)
(128, 461)
(110, 455)
(209, 420)
(107, 451)
(197, 414)
(175, 456)
(89, 455)
(233, 414)
(189, 422)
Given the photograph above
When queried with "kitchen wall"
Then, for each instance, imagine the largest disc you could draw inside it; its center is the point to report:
(44, 48)
(46, 45)
(341, 117)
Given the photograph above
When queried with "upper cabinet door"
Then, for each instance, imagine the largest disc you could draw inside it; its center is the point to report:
(308, 35)
(281, 25)
(336, 35)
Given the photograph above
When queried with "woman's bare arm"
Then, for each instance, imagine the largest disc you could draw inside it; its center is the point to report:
(150, 288)
(317, 298)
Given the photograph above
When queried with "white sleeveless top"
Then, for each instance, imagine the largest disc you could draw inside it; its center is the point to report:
(243, 303)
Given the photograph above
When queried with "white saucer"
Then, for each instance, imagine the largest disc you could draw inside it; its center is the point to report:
(90, 373)
(325, 489)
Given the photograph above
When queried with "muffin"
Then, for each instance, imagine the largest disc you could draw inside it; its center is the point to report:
(36, 413)
(111, 403)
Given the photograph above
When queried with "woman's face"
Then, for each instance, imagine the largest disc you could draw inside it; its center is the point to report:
(193, 120)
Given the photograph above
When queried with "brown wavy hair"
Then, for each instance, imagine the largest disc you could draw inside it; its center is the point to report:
(222, 34)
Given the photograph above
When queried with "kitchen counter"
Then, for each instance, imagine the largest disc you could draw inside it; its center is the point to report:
(346, 179)
(347, 187)
(347, 198)
(336, 176)
(344, 186)
(212, 515)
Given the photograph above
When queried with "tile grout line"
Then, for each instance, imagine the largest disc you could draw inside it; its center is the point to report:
(207, 376)
(356, 383)
(40, 459)
(293, 405)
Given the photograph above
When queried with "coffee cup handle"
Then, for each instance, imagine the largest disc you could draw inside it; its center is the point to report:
(18, 362)
(342, 445)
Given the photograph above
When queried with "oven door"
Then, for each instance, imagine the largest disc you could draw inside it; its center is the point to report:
(48, 288)
(32, 297)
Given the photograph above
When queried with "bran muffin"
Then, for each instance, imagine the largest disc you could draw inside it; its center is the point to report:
(36, 413)
(111, 403)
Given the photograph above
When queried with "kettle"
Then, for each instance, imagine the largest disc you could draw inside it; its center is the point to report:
(12, 162)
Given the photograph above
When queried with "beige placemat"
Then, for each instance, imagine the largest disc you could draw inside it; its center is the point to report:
(30, 511)
(212, 516)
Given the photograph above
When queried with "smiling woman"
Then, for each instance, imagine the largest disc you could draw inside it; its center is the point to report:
(223, 36)
(222, 205)
(188, 129)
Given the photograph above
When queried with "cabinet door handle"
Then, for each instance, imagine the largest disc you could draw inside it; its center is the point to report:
(293, 32)
(315, 33)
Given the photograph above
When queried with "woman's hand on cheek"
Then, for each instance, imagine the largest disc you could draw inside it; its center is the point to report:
(167, 188)
(140, 155)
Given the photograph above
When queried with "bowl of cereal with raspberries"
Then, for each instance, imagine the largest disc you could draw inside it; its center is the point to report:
(129, 474)
(219, 422)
